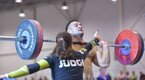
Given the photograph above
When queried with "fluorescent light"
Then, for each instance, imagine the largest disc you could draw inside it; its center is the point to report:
(22, 14)
(114, 0)
(64, 6)
(18, 1)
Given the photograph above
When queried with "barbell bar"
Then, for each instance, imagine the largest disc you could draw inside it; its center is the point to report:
(22, 39)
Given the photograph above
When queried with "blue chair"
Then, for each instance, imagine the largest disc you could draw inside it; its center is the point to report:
(9, 79)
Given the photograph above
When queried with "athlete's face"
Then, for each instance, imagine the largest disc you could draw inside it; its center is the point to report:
(78, 27)
(75, 28)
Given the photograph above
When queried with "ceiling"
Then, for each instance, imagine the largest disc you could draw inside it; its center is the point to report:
(10, 4)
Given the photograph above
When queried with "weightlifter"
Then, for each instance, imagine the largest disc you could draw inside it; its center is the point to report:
(99, 55)
(64, 62)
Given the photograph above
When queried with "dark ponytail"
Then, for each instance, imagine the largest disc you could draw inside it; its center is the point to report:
(64, 45)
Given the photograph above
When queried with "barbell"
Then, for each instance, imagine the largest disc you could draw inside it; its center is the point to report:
(129, 44)
(28, 39)
(129, 47)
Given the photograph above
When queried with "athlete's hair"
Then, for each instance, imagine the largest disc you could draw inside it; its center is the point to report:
(63, 47)
(66, 28)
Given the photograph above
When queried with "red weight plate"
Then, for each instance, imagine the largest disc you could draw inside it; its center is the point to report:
(142, 49)
(136, 47)
(40, 39)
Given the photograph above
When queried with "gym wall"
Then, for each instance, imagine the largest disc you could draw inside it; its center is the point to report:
(102, 15)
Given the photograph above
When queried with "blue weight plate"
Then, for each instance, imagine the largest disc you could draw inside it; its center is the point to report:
(27, 50)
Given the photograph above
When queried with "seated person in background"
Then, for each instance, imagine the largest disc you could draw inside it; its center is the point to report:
(103, 75)
(142, 76)
(121, 76)
(127, 76)
(133, 76)
(64, 62)
(100, 56)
